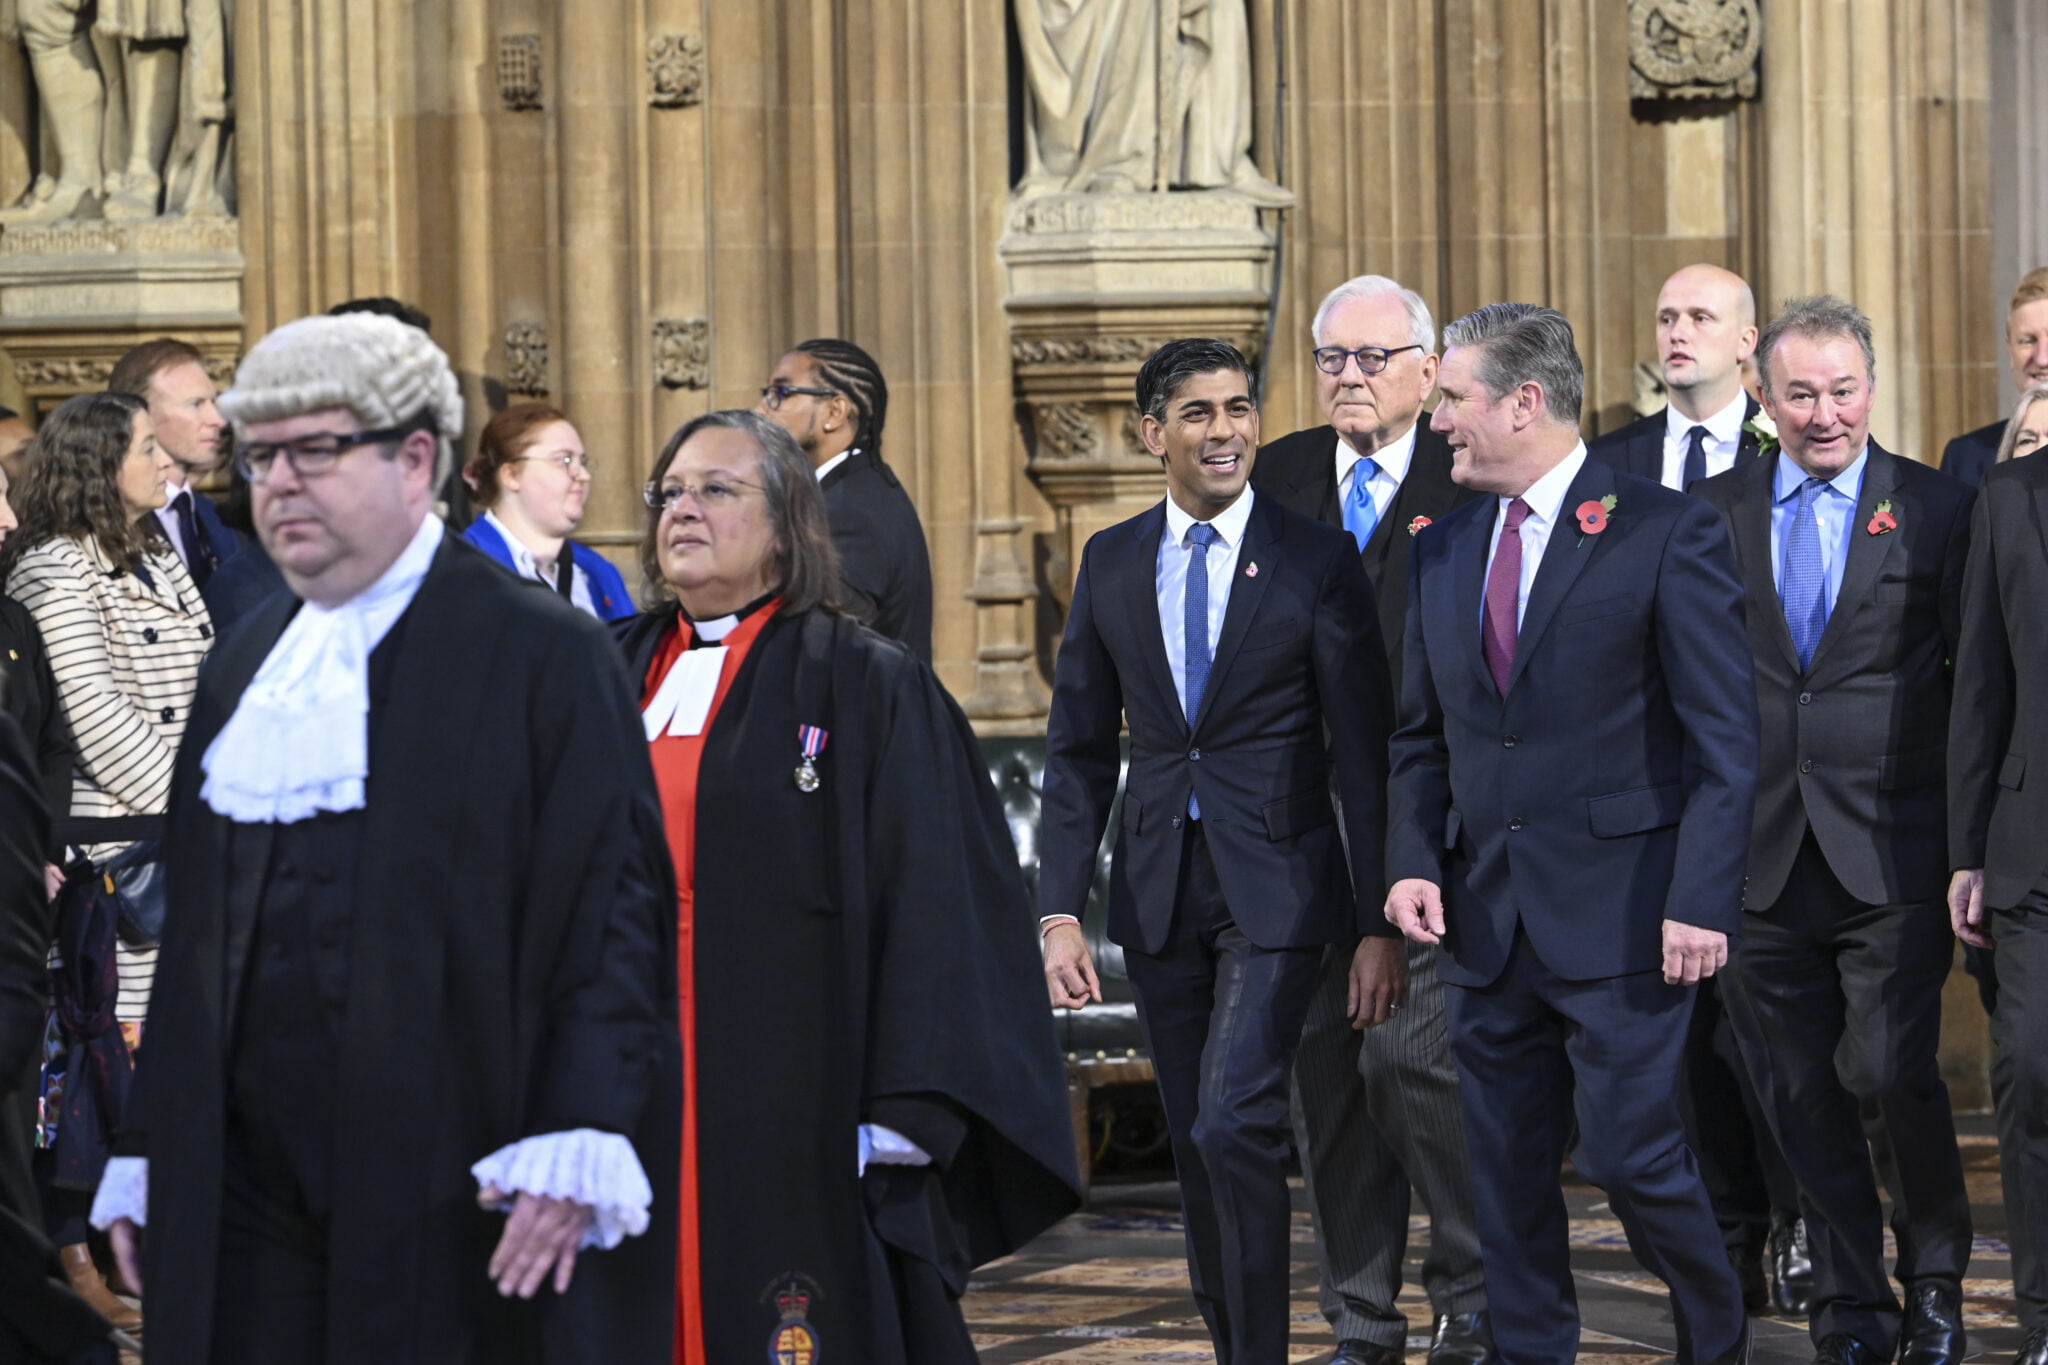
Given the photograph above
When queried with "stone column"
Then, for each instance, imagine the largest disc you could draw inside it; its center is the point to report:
(2019, 163)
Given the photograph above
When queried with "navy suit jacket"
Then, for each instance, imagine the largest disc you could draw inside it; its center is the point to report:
(1638, 448)
(226, 544)
(1973, 452)
(1612, 787)
(1856, 745)
(1300, 650)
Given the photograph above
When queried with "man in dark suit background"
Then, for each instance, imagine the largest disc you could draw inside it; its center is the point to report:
(1706, 337)
(2026, 347)
(1852, 561)
(170, 375)
(830, 395)
(1377, 1094)
(1578, 725)
(1232, 635)
(1706, 328)
(1998, 807)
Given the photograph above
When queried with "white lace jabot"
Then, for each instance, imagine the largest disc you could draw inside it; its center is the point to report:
(299, 740)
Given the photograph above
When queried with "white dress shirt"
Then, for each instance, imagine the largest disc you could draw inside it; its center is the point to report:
(526, 566)
(1171, 580)
(837, 460)
(1724, 440)
(1393, 460)
(1546, 508)
(168, 519)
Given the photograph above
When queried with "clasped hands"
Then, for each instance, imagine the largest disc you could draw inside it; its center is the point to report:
(1691, 954)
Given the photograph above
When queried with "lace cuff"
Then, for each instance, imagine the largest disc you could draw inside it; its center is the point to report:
(584, 1166)
(881, 1146)
(124, 1192)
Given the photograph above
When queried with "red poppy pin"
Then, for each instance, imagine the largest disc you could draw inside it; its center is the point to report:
(1593, 516)
(1251, 571)
(1882, 521)
(1417, 525)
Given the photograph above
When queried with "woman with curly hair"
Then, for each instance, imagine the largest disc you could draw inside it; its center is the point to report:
(125, 630)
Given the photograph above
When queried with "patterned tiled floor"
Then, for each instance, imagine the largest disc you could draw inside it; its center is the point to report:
(1109, 1286)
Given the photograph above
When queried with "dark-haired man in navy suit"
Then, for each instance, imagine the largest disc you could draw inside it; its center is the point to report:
(1232, 635)
(1573, 779)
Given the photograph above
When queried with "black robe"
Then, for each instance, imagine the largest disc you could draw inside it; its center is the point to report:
(865, 953)
(510, 974)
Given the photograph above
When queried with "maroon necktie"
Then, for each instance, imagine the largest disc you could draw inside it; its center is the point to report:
(1503, 593)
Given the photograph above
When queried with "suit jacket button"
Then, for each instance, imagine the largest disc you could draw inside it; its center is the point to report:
(1510, 741)
(1806, 765)
(1806, 698)
(1176, 821)
(149, 635)
(1194, 755)
(1515, 823)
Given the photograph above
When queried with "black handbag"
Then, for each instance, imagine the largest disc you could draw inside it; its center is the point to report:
(134, 876)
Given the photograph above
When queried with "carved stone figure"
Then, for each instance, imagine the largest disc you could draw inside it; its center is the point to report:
(134, 102)
(1693, 49)
(1139, 96)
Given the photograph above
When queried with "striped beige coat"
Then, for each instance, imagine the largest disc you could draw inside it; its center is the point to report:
(126, 660)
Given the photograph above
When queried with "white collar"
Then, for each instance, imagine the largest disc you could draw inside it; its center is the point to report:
(1228, 524)
(1723, 427)
(1545, 497)
(299, 739)
(837, 460)
(522, 558)
(1393, 458)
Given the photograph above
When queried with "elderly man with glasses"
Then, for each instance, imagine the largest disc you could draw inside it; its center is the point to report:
(1377, 1108)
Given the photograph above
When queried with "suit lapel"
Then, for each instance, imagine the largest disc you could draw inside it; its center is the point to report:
(1468, 555)
(1564, 558)
(1141, 604)
(1746, 444)
(1867, 553)
(1751, 516)
(1257, 561)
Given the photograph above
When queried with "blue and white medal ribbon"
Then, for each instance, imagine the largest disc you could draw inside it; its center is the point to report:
(812, 740)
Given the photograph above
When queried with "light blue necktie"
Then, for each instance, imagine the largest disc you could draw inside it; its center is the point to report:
(1360, 516)
(1195, 628)
(1804, 583)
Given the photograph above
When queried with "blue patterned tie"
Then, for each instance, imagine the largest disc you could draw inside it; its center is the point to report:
(1360, 516)
(1195, 628)
(1695, 459)
(1804, 589)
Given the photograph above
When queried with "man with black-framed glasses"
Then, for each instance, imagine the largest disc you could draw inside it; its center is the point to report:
(1377, 1107)
(830, 395)
(411, 1046)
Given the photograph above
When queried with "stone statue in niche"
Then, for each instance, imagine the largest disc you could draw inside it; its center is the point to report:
(133, 99)
(1139, 96)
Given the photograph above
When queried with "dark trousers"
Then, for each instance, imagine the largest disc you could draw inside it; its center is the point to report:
(1535, 1053)
(2019, 1030)
(1837, 1005)
(1377, 1112)
(1222, 1017)
(1746, 1176)
(270, 1292)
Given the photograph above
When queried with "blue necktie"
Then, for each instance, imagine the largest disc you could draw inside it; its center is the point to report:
(1804, 583)
(1360, 516)
(1195, 628)
(1695, 467)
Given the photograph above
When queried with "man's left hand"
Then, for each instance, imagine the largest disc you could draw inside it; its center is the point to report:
(1691, 954)
(1379, 981)
(542, 1235)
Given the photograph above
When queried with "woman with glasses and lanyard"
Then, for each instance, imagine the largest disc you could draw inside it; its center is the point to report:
(531, 477)
(125, 631)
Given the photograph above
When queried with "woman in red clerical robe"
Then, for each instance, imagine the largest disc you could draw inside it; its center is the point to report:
(875, 1102)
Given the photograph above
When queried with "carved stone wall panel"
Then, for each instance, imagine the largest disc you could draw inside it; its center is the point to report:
(526, 359)
(675, 70)
(682, 352)
(1694, 49)
(519, 71)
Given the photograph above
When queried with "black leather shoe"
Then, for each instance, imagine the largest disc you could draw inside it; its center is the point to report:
(1351, 1351)
(1791, 1266)
(2033, 1348)
(1839, 1348)
(1463, 1340)
(1933, 1333)
(1748, 1262)
(1738, 1354)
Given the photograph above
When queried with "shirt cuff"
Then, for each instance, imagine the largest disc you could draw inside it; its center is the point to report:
(881, 1146)
(124, 1192)
(1046, 922)
(598, 1170)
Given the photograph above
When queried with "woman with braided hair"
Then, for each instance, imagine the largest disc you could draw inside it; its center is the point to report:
(830, 395)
